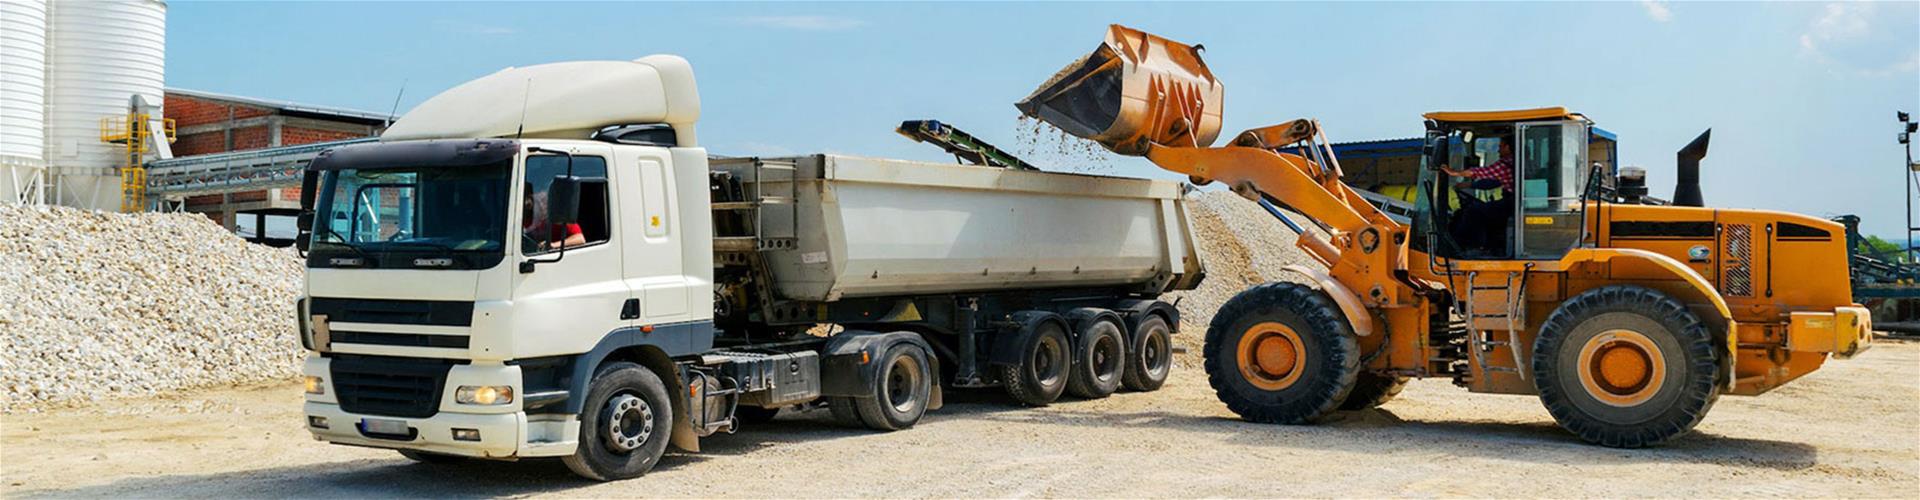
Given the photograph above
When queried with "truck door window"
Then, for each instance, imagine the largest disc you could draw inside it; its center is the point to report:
(538, 234)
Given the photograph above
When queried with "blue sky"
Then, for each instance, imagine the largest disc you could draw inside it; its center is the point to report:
(1800, 95)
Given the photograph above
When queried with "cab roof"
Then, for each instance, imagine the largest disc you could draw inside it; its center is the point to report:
(1517, 115)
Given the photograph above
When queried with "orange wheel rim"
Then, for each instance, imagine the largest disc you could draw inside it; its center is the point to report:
(1271, 356)
(1622, 368)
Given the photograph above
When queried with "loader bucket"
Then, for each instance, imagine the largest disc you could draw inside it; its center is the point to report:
(1135, 89)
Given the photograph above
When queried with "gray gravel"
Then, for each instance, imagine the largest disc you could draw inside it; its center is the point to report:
(99, 305)
(1244, 246)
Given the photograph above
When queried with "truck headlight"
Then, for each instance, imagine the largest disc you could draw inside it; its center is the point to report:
(316, 386)
(483, 395)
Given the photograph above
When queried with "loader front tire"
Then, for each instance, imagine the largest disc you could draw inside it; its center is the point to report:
(1371, 390)
(1281, 353)
(1626, 367)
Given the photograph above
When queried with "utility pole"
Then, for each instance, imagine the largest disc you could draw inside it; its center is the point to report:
(1907, 128)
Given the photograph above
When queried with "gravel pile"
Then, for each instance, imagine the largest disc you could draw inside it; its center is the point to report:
(97, 305)
(1244, 246)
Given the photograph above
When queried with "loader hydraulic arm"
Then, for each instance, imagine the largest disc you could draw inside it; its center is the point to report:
(1364, 249)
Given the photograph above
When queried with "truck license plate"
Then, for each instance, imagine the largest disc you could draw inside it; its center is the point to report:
(384, 426)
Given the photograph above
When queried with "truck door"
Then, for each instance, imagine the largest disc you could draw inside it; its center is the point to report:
(650, 235)
(1551, 181)
(579, 298)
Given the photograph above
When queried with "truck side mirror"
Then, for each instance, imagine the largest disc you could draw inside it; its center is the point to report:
(303, 223)
(563, 200)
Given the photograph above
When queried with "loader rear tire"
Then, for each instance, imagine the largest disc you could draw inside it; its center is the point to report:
(1626, 366)
(1042, 373)
(1371, 390)
(1150, 357)
(1281, 353)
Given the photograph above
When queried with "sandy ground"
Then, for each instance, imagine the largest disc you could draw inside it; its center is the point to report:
(1850, 430)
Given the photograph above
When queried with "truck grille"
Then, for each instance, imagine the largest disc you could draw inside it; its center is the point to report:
(390, 386)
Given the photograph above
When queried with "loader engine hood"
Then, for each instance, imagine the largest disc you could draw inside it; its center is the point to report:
(1136, 89)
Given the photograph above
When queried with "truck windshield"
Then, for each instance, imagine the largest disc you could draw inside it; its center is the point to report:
(417, 217)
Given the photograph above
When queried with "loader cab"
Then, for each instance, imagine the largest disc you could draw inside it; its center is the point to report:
(1541, 218)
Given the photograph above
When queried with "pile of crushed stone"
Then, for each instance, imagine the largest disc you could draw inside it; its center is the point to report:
(100, 305)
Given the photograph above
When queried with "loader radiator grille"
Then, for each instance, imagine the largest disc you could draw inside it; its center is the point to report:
(1736, 275)
(390, 386)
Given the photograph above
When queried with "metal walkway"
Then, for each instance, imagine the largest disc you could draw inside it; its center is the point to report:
(234, 172)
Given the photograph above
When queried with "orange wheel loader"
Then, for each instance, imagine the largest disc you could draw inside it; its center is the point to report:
(1626, 314)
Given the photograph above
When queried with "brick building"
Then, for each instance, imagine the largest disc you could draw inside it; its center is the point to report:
(207, 123)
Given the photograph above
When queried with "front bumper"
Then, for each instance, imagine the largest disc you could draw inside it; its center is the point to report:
(1845, 332)
(500, 434)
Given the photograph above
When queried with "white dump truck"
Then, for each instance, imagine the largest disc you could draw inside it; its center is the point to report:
(544, 262)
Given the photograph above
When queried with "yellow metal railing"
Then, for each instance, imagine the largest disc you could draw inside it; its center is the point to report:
(134, 130)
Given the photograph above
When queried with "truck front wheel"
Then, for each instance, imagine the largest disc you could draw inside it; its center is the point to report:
(624, 426)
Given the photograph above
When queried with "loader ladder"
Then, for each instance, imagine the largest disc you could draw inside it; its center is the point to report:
(1511, 316)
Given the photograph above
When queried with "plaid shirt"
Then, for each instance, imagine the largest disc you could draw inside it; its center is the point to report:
(1500, 171)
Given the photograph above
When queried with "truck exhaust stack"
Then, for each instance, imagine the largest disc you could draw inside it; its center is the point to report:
(1134, 90)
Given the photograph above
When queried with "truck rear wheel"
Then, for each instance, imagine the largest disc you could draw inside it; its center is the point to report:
(901, 392)
(1625, 366)
(1099, 359)
(1041, 375)
(1281, 353)
(624, 425)
(1150, 356)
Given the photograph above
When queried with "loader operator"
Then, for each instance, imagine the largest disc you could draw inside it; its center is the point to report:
(1482, 225)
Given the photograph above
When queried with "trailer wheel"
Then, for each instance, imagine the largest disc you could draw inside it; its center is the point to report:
(1150, 357)
(1041, 375)
(1099, 359)
(431, 458)
(1371, 390)
(624, 426)
(843, 411)
(901, 392)
(1281, 353)
(1626, 366)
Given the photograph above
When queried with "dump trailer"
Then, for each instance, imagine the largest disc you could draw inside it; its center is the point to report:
(575, 277)
(1539, 273)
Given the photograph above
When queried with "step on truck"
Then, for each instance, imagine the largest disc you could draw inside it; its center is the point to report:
(544, 262)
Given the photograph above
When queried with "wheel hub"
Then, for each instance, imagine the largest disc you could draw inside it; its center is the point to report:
(629, 421)
(903, 379)
(1271, 357)
(1621, 368)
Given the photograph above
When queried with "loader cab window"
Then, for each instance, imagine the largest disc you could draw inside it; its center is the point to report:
(1552, 182)
(1465, 203)
(538, 233)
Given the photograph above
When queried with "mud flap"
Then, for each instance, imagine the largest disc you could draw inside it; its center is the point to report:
(847, 368)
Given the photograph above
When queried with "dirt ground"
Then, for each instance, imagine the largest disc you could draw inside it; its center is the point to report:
(1850, 430)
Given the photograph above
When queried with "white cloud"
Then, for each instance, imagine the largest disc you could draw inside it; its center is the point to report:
(1854, 36)
(803, 23)
(1657, 10)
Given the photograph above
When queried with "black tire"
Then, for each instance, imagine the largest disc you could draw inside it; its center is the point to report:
(843, 411)
(1150, 355)
(755, 414)
(638, 399)
(1324, 359)
(431, 458)
(1372, 390)
(1042, 373)
(902, 391)
(1099, 356)
(1677, 382)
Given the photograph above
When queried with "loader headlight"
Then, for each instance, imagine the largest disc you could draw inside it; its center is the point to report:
(316, 385)
(485, 395)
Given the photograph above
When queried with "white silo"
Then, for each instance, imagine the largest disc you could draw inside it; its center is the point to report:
(101, 55)
(23, 100)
